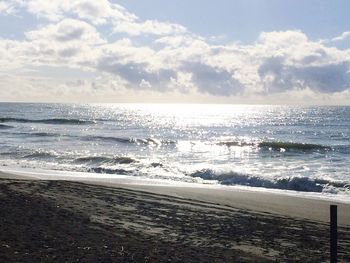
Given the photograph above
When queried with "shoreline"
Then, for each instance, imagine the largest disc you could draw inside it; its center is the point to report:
(300, 207)
(91, 221)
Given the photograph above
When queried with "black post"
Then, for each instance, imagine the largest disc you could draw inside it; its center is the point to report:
(334, 235)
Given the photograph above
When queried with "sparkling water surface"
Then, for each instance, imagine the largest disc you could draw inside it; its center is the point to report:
(281, 147)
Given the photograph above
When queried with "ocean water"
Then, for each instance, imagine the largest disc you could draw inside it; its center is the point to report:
(304, 149)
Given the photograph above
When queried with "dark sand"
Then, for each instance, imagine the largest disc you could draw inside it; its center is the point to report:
(61, 221)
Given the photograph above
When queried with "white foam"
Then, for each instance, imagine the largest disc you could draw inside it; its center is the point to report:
(41, 174)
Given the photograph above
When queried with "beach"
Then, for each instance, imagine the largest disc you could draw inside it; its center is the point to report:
(96, 221)
(169, 131)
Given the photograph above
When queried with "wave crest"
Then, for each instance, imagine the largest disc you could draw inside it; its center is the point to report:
(302, 184)
(105, 160)
(39, 155)
(108, 139)
(103, 170)
(49, 121)
(235, 143)
(148, 141)
(277, 145)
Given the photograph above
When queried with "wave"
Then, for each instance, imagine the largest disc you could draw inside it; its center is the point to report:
(44, 134)
(289, 146)
(148, 141)
(235, 143)
(105, 160)
(277, 145)
(103, 170)
(29, 154)
(39, 155)
(5, 127)
(156, 165)
(108, 139)
(153, 141)
(301, 184)
(49, 121)
(40, 134)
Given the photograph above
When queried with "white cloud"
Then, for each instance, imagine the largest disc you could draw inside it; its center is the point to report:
(70, 42)
(67, 30)
(94, 11)
(174, 60)
(6, 8)
(12, 54)
(342, 37)
(289, 60)
(154, 27)
(10, 7)
(52, 10)
(101, 12)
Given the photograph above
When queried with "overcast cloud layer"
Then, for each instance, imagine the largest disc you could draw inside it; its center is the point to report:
(92, 50)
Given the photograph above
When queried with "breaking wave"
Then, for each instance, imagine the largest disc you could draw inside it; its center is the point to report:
(293, 146)
(103, 170)
(277, 145)
(153, 141)
(138, 141)
(235, 143)
(149, 141)
(105, 160)
(302, 184)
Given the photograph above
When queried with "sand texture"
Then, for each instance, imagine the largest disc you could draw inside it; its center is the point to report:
(61, 221)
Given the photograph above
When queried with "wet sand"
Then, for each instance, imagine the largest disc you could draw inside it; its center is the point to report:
(65, 221)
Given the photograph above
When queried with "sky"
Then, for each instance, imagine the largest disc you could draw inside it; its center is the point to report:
(156, 51)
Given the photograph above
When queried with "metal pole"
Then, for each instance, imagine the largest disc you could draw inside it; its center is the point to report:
(334, 235)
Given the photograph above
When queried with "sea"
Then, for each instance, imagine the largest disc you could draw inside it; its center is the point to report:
(287, 148)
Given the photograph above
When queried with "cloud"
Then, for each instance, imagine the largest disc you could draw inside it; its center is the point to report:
(154, 27)
(172, 59)
(342, 37)
(10, 7)
(101, 12)
(278, 76)
(66, 30)
(214, 81)
(326, 79)
(292, 61)
(6, 8)
(12, 54)
(70, 43)
(137, 75)
(93, 11)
